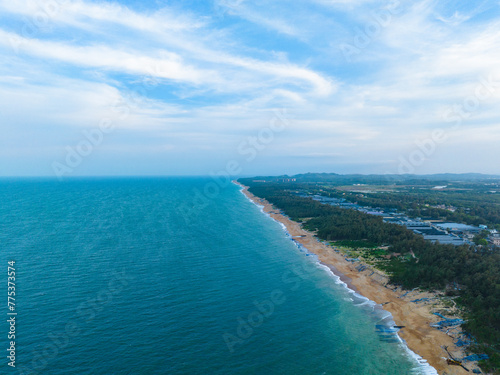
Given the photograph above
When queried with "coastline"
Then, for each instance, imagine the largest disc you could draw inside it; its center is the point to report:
(423, 340)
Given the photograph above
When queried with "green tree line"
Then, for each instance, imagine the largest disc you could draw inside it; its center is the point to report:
(471, 274)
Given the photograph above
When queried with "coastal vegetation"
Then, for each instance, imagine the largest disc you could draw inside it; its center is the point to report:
(470, 274)
(467, 206)
(470, 199)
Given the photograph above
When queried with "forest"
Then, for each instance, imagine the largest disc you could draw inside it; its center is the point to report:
(468, 272)
(469, 206)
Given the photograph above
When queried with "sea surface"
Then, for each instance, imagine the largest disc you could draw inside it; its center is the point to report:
(175, 276)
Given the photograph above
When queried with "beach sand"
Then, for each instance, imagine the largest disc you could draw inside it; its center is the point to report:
(416, 318)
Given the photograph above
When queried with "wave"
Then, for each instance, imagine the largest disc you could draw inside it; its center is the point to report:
(384, 316)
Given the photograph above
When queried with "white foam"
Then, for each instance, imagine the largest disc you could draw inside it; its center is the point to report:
(423, 366)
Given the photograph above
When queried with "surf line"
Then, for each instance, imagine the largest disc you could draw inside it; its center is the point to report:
(423, 366)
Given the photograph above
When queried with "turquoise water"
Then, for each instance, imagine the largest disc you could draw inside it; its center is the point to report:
(152, 276)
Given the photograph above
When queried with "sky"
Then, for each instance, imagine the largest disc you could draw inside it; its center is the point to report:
(240, 87)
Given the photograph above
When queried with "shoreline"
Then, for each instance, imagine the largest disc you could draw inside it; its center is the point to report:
(419, 337)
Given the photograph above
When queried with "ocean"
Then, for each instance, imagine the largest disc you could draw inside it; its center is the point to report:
(175, 276)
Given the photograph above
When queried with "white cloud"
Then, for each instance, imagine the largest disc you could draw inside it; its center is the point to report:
(215, 87)
(168, 66)
(243, 9)
(188, 40)
(78, 13)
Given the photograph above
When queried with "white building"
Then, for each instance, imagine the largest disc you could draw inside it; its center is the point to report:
(495, 240)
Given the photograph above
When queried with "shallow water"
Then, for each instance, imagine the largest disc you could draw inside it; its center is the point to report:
(176, 276)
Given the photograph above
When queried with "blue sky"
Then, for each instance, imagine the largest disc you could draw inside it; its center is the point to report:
(360, 86)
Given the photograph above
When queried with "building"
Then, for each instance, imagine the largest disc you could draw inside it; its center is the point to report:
(495, 240)
(468, 235)
(445, 239)
(459, 228)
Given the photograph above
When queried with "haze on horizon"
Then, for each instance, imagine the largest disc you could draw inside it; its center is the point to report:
(253, 87)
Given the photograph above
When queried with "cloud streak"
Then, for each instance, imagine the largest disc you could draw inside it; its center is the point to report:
(208, 81)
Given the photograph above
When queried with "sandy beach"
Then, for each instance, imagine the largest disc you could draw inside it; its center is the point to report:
(421, 338)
